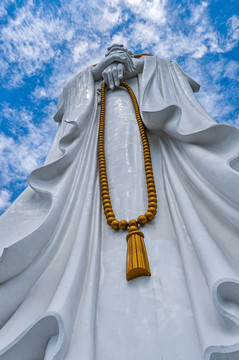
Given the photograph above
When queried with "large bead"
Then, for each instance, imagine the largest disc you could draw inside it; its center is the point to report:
(132, 222)
(115, 224)
(110, 220)
(149, 216)
(123, 224)
(142, 220)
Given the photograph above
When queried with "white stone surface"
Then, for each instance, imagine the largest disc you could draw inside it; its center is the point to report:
(63, 292)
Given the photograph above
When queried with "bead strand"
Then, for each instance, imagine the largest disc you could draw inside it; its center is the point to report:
(152, 197)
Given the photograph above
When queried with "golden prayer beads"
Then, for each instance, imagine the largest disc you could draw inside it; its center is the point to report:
(137, 260)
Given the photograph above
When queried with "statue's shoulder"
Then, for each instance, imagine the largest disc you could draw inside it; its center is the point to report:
(161, 60)
(79, 83)
(171, 66)
(77, 78)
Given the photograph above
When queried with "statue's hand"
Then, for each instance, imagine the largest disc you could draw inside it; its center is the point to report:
(122, 58)
(113, 74)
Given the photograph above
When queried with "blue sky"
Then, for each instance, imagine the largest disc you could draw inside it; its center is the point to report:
(44, 43)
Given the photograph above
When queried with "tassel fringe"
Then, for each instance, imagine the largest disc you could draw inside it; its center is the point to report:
(137, 259)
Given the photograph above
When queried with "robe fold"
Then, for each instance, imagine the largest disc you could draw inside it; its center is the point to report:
(63, 292)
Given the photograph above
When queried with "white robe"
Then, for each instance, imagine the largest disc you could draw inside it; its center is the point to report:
(63, 292)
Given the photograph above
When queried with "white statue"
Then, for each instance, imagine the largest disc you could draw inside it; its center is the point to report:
(63, 292)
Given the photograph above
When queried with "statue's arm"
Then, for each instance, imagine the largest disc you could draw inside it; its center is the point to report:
(117, 66)
(116, 71)
(122, 58)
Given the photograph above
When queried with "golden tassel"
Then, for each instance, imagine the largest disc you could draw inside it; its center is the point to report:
(137, 259)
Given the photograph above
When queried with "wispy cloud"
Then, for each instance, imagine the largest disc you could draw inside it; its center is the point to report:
(233, 32)
(30, 40)
(25, 147)
(5, 197)
(3, 7)
(219, 83)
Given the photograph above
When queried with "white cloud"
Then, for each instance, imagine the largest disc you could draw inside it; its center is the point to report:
(79, 50)
(231, 70)
(154, 10)
(28, 146)
(198, 12)
(5, 197)
(233, 33)
(108, 17)
(213, 95)
(30, 40)
(3, 7)
(40, 93)
(215, 103)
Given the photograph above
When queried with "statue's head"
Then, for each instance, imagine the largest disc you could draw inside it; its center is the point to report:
(118, 48)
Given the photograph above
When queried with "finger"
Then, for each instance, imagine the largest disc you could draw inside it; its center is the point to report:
(128, 62)
(105, 77)
(110, 78)
(120, 70)
(131, 63)
(115, 74)
(124, 58)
